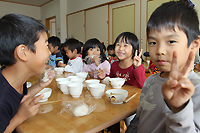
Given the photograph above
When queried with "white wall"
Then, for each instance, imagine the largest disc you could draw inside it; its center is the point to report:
(32, 11)
(49, 10)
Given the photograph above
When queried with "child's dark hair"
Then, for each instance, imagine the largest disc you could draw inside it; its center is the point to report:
(17, 29)
(55, 41)
(110, 47)
(175, 13)
(128, 38)
(73, 44)
(92, 43)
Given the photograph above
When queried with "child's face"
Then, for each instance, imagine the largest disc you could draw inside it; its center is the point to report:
(111, 52)
(52, 49)
(94, 51)
(41, 56)
(69, 53)
(163, 43)
(123, 50)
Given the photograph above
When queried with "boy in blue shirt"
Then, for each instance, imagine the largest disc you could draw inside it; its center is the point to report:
(170, 100)
(23, 53)
(54, 46)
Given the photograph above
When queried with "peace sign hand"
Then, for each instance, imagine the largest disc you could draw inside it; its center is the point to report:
(137, 61)
(178, 89)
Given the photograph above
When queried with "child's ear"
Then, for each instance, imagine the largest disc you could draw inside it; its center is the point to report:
(21, 52)
(75, 50)
(195, 44)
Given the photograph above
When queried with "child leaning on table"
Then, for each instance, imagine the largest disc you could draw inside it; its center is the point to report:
(72, 48)
(94, 58)
(169, 101)
(23, 53)
(130, 64)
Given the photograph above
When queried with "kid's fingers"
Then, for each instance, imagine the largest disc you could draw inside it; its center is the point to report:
(174, 67)
(136, 52)
(188, 66)
(36, 99)
(167, 88)
(140, 52)
(25, 97)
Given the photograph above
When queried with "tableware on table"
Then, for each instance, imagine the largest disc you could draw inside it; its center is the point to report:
(97, 90)
(61, 79)
(82, 75)
(125, 101)
(71, 77)
(77, 80)
(47, 93)
(91, 81)
(63, 86)
(116, 96)
(117, 82)
(59, 70)
(28, 84)
(75, 89)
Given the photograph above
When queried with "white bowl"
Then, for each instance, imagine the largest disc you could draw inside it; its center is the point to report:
(97, 90)
(61, 79)
(116, 96)
(59, 70)
(64, 87)
(117, 82)
(82, 75)
(75, 89)
(76, 80)
(71, 77)
(47, 93)
(91, 81)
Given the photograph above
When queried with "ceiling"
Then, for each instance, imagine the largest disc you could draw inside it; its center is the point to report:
(38, 3)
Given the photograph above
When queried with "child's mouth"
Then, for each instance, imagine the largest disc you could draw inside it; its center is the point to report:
(161, 62)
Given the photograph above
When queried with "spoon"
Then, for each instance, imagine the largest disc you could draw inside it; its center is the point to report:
(125, 101)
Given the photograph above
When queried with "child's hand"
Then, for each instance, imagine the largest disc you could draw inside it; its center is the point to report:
(137, 61)
(29, 107)
(51, 75)
(91, 74)
(178, 89)
(101, 73)
(96, 59)
(61, 64)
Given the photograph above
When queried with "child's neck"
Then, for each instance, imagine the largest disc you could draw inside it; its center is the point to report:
(56, 51)
(125, 63)
(164, 74)
(16, 77)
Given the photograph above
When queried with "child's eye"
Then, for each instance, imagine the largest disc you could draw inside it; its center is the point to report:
(171, 41)
(152, 43)
(117, 44)
(98, 49)
(91, 49)
(126, 45)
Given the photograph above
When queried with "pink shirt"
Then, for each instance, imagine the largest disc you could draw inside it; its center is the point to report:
(134, 77)
(93, 67)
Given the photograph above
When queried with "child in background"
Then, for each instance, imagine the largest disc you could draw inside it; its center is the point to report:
(72, 48)
(111, 51)
(169, 101)
(130, 64)
(111, 54)
(65, 58)
(23, 54)
(152, 68)
(56, 56)
(80, 54)
(94, 58)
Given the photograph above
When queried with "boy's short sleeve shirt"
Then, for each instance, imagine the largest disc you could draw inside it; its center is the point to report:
(9, 102)
(54, 59)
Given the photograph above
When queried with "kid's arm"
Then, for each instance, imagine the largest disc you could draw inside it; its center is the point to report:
(139, 75)
(28, 108)
(177, 92)
(40, 84)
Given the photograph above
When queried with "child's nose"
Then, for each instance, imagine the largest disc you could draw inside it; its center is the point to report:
(161, 50)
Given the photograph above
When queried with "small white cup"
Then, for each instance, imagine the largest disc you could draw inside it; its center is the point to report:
(91, 81)
(82, 75)
(71, 77)
(59, 80)
(75, 89)
(97, 90)
(64, 87)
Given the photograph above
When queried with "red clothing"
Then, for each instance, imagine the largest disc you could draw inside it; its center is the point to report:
(134, 77)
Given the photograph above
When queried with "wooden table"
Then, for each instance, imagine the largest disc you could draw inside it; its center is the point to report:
(49, 120)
